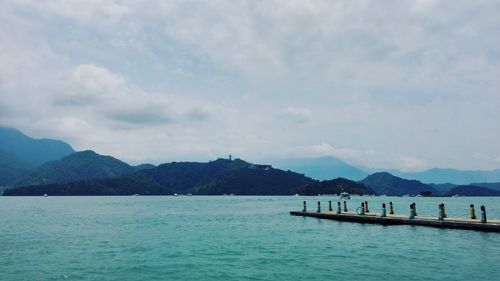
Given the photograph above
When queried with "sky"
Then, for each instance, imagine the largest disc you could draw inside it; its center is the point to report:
(406, 85)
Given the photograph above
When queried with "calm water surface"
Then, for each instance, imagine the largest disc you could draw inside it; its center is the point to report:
(233, 238)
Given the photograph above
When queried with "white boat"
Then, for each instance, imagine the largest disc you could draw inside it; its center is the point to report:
(345, 196)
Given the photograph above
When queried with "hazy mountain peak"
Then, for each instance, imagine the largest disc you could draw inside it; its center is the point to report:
(320, 168)
(34, 151)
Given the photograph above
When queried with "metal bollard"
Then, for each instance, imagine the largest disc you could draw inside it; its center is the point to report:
(362, 208)
(391, 209)
(472, 212)
(330, 205)
(338, 207)
(345, 206)
(319, 207)
(483, 214)
(304, 209)
(384, 214)
(366, 207)
(441, 212)
(412, 211)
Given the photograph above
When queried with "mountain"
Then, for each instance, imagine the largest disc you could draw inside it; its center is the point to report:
(12, 168)
(32, 151)
(385, 183)
(335, 186)
(472, 190)
(84, 165)
(322, 168)
(438, 175)
(212, 178)
(144, 166)
(442, 187)
(490, 185)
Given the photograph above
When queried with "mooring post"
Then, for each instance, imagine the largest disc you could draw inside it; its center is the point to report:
(391, 209)
(330, 205)
(345, 206)
(304, 209)
(472, 212)
(412, 211)
(338, 207)
(366, 207)
(483, 214)
(383, 210)
(319, 207)
(362, 208)
(441, 212)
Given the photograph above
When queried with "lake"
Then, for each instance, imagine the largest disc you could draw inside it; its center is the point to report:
(235, 238)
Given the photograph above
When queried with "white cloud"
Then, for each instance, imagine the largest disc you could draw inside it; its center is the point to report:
(368, 82)
(296, 114)
(89, 11)
(411, 164)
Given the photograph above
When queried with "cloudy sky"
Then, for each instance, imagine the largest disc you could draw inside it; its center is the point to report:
(394, 84)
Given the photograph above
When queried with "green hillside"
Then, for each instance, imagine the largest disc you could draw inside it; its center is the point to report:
(84, 165)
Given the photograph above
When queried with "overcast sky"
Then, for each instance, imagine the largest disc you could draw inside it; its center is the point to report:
(394, 84)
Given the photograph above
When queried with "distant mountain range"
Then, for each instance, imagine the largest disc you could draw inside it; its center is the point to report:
(217, 177)
(386, 184)
(459, 177)
(335, 186)
(472, 190)
(321, 168)
(51, 166)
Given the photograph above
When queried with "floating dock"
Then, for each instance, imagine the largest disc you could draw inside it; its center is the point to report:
(397, 219)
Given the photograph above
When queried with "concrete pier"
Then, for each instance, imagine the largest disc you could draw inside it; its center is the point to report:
(395, 219)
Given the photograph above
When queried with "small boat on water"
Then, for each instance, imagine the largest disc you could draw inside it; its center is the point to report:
(345, 196)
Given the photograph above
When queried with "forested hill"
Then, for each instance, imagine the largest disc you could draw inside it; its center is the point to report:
(385, 183)
(83, 165)
(335, 186)
(213, 178)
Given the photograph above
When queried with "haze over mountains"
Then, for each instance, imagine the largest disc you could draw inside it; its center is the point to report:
(32, 151)
(51, 165)
(20, 154)
(321, 168)
(454, 176)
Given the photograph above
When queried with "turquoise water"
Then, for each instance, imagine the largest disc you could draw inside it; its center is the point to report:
(233, 238)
